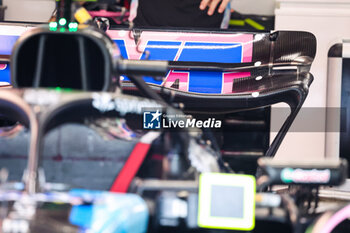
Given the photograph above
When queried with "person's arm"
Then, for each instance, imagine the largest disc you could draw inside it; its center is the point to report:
(212, 4)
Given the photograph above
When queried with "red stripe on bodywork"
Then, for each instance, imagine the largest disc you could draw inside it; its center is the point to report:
(131, 167)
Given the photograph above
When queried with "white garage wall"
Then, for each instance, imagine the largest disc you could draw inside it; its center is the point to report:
(329, 21)
(261, 7)
(29, 10)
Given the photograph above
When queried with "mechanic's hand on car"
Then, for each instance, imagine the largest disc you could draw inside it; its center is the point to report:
(212, 4)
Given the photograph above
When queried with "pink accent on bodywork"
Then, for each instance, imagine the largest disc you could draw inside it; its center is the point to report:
(174, 75)
(3, 66)
(228, 80)
(130, 46)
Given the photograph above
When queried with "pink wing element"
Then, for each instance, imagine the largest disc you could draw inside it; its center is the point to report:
(246, 40)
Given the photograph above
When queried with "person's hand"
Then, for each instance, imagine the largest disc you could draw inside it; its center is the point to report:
(212, 4)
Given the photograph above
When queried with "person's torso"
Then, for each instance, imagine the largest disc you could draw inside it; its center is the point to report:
(175, 13)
